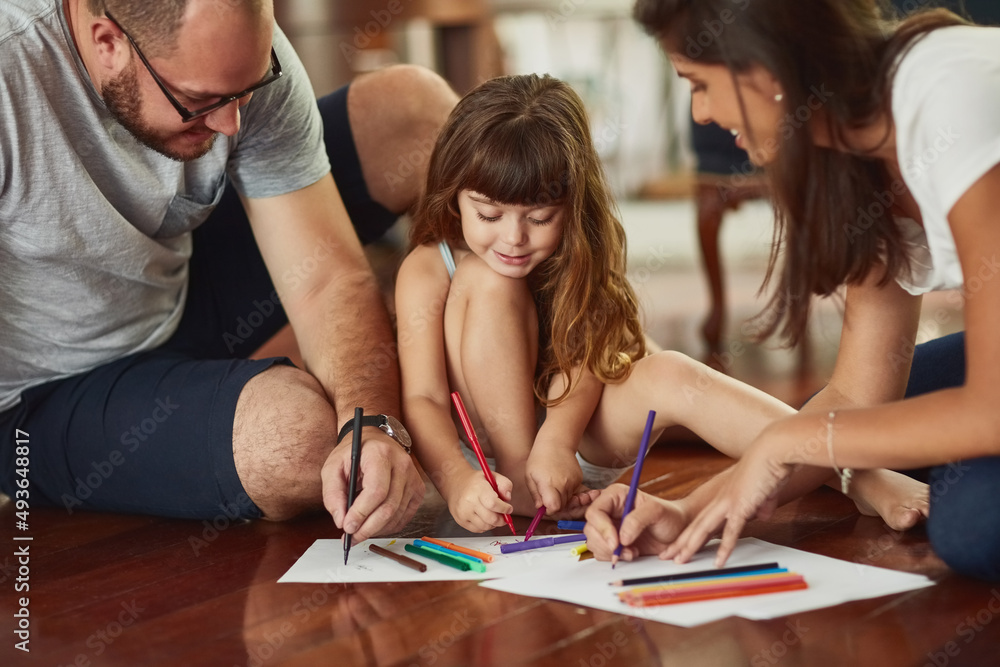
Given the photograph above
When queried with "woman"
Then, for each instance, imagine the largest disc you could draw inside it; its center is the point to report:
(881, 142)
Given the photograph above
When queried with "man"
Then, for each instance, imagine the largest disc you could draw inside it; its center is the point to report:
(124, 336)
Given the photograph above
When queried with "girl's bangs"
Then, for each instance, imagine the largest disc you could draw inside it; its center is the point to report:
(515, 168)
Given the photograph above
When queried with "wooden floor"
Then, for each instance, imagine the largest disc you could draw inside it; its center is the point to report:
(130, 590)
(127, 590)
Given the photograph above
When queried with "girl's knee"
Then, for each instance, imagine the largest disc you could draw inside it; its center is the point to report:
(669, 368)
(477, 282)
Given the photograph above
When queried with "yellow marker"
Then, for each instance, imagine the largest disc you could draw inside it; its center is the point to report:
(579, 549)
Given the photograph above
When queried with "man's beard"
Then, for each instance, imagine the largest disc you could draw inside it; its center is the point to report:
(121, 97)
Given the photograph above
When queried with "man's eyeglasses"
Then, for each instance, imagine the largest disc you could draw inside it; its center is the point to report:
(186, 115)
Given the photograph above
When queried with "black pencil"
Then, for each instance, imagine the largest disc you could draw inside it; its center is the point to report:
(355, 461)
(717, 572)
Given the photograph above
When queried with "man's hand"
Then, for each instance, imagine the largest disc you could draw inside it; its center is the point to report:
(390, 488)
(650, 528)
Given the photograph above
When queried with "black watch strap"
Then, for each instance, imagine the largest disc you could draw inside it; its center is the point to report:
(369, 420)
(389, 426)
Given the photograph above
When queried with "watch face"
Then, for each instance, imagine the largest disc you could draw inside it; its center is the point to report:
(397, 431)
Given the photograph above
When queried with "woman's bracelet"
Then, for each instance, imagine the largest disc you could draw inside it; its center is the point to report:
(845, 474)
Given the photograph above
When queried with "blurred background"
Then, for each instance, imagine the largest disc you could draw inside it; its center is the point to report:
(697, 217)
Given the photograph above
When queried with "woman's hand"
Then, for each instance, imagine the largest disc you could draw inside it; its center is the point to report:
(553, 477)
(651, 526)
(750, 492)
(475, 505)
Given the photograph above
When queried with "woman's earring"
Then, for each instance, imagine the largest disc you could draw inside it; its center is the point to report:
(779, 97)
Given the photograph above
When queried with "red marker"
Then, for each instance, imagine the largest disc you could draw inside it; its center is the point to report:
(474, 441)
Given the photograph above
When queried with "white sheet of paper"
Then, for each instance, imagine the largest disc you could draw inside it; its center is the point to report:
(323, 562)
(831, 582)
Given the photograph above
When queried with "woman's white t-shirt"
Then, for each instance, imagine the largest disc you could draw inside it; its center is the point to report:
(946, 108)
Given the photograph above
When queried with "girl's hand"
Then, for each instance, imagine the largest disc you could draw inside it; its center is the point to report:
(751, 492)
(553, 477)
(651, 526)
(475, 505)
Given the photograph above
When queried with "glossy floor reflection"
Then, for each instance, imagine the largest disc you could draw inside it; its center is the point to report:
(125, 590)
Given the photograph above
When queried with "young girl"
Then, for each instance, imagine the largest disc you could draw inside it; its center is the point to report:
(891, 185)
(515, 295)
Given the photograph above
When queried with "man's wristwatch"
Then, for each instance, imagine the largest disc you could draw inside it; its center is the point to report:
(390, 425)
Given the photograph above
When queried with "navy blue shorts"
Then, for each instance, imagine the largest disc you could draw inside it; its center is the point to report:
(153, 433)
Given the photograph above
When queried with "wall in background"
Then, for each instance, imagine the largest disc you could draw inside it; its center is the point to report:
(638, 108)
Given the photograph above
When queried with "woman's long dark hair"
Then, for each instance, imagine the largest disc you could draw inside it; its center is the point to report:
(831, 225)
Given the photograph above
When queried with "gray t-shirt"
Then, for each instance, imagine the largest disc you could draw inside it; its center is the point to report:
(95, 228)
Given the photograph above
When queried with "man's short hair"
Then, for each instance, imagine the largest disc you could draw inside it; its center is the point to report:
(153, 24)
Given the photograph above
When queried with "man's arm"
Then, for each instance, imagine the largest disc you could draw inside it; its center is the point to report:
(340, 321)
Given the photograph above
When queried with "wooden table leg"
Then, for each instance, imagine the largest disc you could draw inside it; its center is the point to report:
(710, 208)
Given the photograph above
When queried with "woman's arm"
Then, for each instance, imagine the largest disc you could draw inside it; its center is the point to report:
(932, 429)
(876, 347)
(945, 425)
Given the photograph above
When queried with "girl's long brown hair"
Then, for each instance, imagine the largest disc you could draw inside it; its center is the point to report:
(831, 226)
(525, 140)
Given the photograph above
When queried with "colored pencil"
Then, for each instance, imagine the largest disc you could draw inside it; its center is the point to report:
(352, 484)
(474, 443)
(399, 558)
(736, 582)
(485, 557)
(534, 523)
(456, 563)
(633, 487)
(446, 551)
(781, 588)
(716, 572)
(542, 542)
(571, 525)
(716, 581)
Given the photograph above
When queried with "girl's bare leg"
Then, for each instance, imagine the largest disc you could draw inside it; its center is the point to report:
(729, 415)
(491, 342)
